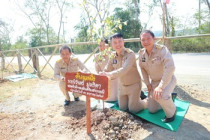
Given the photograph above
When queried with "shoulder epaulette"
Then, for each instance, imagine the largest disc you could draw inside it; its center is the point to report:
(141, 50)
(74, 58)
(128, 50)
(158, 46)
(59, 60)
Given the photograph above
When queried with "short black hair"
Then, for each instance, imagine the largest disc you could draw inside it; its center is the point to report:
(65, 47)
(116, 35)
(105, 40)
(147, 31)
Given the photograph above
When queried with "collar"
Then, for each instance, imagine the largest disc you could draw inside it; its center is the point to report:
(70, 60)
(122, 53)
(154, 49)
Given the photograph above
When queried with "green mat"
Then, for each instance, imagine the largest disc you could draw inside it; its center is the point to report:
(22, 76)
(156, 118)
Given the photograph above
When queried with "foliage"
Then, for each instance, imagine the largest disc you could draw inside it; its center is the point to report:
(81, 49)
(191, 45)
(5, 31)
(20, 43)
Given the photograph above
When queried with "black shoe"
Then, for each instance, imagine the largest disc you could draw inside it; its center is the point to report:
(117, 104)
(76, 99)
(143, 96)
(66, 103)
(173, 95)
(167, 120)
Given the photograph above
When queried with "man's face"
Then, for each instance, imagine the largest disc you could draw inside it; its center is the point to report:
(147, 40)
(102, 46)
(117, 44)
(65, 54)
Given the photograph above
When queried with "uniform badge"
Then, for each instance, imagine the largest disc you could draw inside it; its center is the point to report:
(114, 61)
(143, 59)
(156, 59)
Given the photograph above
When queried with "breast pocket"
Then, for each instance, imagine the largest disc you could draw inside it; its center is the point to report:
(63, 70)
(73, 68)
(115, 66)
(156, 60)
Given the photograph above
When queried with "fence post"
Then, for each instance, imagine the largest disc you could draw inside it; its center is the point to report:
(2, 61)
(19, 62)
(36, 58)
(167, 43)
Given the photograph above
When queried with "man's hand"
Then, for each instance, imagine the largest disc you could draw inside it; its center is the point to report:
(105, 74)
(149, 88)
(102, 73)
(158, 92)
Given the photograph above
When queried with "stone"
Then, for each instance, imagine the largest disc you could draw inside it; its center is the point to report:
(131, 117)
(135, 128)
(106, 127)
(111, 132)
(116, 128)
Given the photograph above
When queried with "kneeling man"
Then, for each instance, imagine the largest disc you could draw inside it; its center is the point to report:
(123, 65)
(157, 67)
(67, 63)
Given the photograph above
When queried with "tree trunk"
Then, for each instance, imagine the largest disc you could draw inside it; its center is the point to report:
(199, 18)
(167, 32)
(208, 4)
(19, 62)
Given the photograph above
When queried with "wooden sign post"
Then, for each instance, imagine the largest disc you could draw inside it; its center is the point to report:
(90, 85)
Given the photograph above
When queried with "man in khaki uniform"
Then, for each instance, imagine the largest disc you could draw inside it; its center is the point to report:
(102, 58)
(101, 61)
(68, 63)
(157, 68)
(123, 65)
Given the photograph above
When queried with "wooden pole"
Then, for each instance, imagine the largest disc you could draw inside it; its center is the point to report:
(50, 58)
(2, 61)
(103, 105)
(19, 62)
(88, 115)
(37, 63)
(91, 54)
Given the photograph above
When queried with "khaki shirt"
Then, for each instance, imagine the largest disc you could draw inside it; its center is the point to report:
(61, 67)
(158, 66)
(101, 60)
(124, 67)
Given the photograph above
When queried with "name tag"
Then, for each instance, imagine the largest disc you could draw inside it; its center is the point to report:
(114, 61)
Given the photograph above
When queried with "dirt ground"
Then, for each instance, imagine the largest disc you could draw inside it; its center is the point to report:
(33, 109)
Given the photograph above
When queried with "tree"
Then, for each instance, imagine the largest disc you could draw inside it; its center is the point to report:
(62, 6)
(20, 43)
(202, 16)
(39, 12)
(96, 13)
(5, 30)
(125, 23)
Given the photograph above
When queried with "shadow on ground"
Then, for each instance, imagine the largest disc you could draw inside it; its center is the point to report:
(183, 95)
(188, 130)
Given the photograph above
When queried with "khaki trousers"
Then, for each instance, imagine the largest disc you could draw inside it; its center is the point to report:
(114, 89)
(129, 98)
(62, 86)
(166, 102)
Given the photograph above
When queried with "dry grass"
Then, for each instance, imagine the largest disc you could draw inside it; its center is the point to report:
(24, 87)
